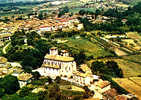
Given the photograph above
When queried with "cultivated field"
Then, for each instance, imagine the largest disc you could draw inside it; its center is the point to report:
(130, 68)
(90, 48)
(132, 85)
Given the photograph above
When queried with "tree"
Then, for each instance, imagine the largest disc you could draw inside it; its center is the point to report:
(97, 67)
(40, 16)
(82, 12)
(97, 12)
(63, 11)
(18, 38)
(10, 84)
(24, 92)
(29, 61)
(32, 37)
(2, 92)
(58, 79)
(54, 92)
(36, 75)
(43, 95)
(80, 57)
(49, 80)
(114, 66)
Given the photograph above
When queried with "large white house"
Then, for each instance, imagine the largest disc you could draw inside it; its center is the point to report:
(57, 65)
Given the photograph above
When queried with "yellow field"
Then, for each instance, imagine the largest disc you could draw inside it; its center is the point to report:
(137, 80)
(133, 35)
(132, 85)
(122, 5)
(130, 67)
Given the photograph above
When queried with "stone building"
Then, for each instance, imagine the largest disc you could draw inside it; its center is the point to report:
(57, 65)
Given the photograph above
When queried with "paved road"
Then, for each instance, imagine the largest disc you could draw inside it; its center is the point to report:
(4, 48)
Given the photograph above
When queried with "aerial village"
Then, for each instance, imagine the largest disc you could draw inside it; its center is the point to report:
(54, 64)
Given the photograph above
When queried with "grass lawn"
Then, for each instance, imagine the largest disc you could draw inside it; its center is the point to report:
(90, 48)
(130, 85)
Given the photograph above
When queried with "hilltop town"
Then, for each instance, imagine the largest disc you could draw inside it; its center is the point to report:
(70, 50)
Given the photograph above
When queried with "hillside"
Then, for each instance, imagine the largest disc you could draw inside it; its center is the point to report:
(132, 2)
(9, 1)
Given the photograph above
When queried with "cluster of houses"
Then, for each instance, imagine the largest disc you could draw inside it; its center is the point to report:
(47, 25)
(64, 66)
(61, 24)
(15, 69)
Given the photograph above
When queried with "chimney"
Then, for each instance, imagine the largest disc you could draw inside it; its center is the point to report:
(64, 53)
(53, 51)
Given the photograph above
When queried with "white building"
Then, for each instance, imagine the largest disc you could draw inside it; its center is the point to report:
(46, 28)
(57, 65)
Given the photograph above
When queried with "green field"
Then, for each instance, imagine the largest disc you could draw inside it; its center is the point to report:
(76, 10)
(25, 9)
(73, 3)
(90, 48)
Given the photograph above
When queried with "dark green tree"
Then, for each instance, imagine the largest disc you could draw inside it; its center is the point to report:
(24, 92)
(36, 75)
(10, 84)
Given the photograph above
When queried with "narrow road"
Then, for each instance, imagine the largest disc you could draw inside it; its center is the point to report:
(4, 48)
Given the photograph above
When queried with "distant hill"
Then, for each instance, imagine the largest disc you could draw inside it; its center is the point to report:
(132, 2)
(9, 1)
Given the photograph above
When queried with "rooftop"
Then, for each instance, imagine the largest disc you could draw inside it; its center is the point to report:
(121, 97)
(24, 76)
(53, 48)
(49, 66)
(59, 58)
(85, 68)
(102, 84)
(3, 60)
(64, 51)
(82, 74)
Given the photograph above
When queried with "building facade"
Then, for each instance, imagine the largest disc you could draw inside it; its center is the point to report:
(57, 65)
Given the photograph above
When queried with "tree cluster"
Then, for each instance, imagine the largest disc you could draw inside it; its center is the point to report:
(28, 48)
(109, 68)
(63, 10)
(8, 85)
